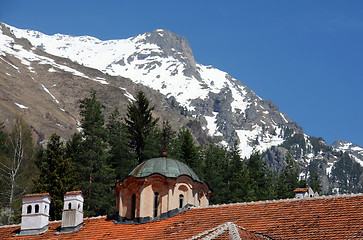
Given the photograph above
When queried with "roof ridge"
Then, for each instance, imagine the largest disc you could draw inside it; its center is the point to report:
(13, 225)
(216, 231)
(283, 200)
(96, 217)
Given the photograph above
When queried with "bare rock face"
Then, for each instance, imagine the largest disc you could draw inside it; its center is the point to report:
(172, 45)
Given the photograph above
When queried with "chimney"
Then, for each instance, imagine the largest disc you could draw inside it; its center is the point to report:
(72, 218)
(35, 214)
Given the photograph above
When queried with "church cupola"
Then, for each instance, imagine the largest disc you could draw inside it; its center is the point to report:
(35, 214)
(159, 188)
(72, 218)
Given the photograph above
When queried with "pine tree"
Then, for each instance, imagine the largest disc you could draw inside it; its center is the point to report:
(315, 182)
(167, 136)
(56, 174)
(94, 175)
(241, 189)
(238, 176)
(260, 178)
(288, 179)
(121, 158)
(140, 125)
(215, 171)
(187, 150)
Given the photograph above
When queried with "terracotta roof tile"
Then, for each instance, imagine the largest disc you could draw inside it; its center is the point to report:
(37, 195)
(336, 217)
(73, 193)
(298, 190)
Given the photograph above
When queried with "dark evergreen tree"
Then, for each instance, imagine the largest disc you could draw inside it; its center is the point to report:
(288, 179)
(56, 175)
(140, 125)
(314, 182)
(153, 147)
(121, 158)
(238, 177)
(215, 173)
(167, 138)
(261, 181)
(241, 186)
(187, 151)
(94, 175)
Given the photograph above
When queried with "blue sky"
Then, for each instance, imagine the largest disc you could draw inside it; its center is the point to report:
(305, 56)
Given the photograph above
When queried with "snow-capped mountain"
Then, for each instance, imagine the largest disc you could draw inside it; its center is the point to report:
(164, 61)
(46, 89)
(355, 151)
(44, 77)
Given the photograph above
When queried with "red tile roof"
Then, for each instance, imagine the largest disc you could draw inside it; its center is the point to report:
(332, 217)
(298, 190)
(37, 195)
(73, 193)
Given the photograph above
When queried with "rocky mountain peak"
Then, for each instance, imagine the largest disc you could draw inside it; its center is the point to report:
(171, 43)
(341, 144)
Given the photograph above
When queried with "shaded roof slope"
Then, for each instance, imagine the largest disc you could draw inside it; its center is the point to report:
(335, 217)
(165, 166)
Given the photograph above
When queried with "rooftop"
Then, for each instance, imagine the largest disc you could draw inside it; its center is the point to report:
(330, 217)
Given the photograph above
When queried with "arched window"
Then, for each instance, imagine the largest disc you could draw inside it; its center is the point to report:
(156, 204)
(29, 209)
(133, 206)
(36, 209)
(69, 205)
(181, 199)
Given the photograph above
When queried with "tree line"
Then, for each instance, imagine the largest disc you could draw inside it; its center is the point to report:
(106, 150)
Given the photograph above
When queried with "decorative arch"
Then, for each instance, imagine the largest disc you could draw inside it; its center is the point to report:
(29, 209)
(181, 200)
(36, 208)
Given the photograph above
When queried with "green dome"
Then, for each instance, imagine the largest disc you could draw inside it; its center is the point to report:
(164, 166)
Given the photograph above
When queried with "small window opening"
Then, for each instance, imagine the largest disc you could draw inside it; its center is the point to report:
(79, 206)
(181, 199)
(156, 204)
(69, 205)
(29, 209)
(133, 206)
(36, 209)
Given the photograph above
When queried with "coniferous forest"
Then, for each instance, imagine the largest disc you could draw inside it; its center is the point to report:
(108, 148)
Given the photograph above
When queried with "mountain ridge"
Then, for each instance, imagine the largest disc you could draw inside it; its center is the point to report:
(161, 63)
(174, 72)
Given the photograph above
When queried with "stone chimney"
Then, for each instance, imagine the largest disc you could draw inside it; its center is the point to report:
(35, 214)
(72, 218)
